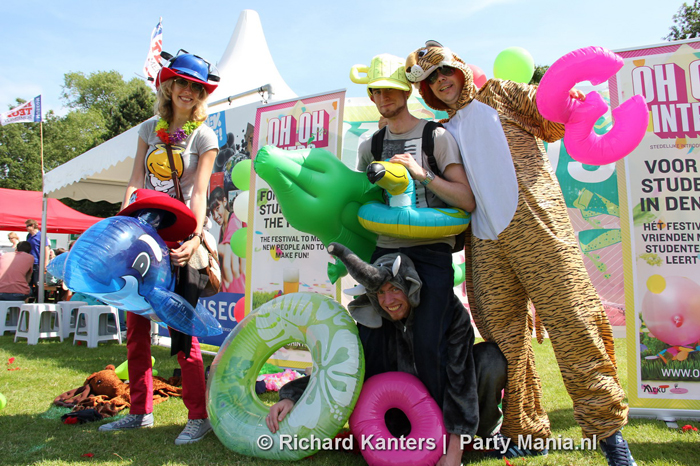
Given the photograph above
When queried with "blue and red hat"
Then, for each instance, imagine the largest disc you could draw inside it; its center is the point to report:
(190, 67)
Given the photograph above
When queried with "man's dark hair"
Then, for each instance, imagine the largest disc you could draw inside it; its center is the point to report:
(24, 246)
(31, 222)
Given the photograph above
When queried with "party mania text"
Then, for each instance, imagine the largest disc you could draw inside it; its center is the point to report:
(558, 443)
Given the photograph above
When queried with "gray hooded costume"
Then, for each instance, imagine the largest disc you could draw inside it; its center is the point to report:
(475, 374)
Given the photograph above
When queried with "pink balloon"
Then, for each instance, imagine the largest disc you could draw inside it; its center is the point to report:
(479, 76)
(673, 315)
(239, 310)
(407, 393)
(594, 64)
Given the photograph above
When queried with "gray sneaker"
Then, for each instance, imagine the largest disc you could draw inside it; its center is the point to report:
(130, 421)
(194, 431)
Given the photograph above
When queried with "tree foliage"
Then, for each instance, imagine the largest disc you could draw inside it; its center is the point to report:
(687, 22)
(135, 106)
(103, 105)
(540, 70)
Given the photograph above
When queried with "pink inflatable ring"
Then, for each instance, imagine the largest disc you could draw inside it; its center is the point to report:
(382, 392)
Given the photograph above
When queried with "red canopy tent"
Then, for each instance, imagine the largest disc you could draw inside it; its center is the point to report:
(16, 206)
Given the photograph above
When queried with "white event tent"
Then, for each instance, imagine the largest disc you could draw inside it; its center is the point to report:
(102, 173)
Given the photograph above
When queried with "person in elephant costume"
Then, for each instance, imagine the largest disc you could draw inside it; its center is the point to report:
(390, 290)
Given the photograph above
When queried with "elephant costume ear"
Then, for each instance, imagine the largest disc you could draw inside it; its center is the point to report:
(395, 268)
(363, 311)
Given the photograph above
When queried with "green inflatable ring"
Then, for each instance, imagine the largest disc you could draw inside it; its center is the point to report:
(236, 413)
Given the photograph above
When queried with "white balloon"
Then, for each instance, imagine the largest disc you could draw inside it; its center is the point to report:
(240, 206)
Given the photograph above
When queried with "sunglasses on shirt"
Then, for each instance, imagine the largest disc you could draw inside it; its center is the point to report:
(443, 70)
(184, 83)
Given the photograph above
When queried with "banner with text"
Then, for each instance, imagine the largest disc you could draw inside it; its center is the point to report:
(28, 112)
(285, 260)
(660, 203)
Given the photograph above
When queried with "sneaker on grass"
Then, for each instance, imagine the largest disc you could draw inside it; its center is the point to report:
(130, 421)
(194, 431)
(617, 451)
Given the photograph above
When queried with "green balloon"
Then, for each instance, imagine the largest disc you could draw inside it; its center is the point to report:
(514, 64)
(240, 175)
(3, 401)
(239, 241)
(459, 270)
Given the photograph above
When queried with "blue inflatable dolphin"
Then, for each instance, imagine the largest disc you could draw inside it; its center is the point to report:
(123, 262)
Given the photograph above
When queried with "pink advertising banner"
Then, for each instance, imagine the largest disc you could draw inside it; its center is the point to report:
(285, 260)
(660, 217)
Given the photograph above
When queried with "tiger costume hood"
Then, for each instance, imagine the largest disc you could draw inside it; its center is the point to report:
(421, 63)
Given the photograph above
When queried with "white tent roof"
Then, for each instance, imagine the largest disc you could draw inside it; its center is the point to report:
(247, 64)
(102, 173)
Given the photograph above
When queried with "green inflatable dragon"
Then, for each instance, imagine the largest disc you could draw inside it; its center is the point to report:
(319, 195)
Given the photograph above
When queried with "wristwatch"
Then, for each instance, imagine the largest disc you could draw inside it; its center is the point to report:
(429, 176)
(196, 235)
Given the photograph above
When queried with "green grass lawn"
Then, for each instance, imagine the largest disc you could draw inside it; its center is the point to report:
(31, 432)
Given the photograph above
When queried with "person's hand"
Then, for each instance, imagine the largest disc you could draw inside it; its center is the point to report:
(576, 94)
(411, 165)
(453, 457)
(278, 412)
(181, 255)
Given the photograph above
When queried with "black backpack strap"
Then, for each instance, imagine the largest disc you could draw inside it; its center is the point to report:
(428, 144)
(378, 144)
(429, 149)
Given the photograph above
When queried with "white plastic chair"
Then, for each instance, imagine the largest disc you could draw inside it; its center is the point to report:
(9, 316)
(69, 312)
(94, 324)
(38, 321)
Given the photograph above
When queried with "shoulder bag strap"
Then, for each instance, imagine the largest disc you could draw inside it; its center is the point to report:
(173, 173)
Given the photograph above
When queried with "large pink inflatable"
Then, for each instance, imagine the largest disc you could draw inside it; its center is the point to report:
(671, 310)
(382, 392)
(597, 65)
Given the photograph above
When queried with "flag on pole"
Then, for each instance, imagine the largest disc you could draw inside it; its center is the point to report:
(152, 65)
(29, 112)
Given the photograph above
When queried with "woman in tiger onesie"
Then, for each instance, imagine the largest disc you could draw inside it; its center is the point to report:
(523, 249)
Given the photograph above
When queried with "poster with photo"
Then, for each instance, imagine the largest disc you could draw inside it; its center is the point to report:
(234, 129)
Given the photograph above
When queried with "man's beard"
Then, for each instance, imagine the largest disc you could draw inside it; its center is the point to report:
(393, 113)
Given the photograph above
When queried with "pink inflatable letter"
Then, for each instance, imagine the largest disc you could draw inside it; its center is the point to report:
(594, 64)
